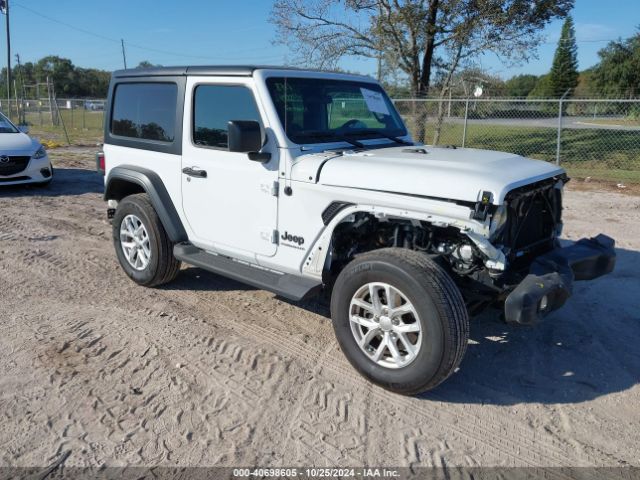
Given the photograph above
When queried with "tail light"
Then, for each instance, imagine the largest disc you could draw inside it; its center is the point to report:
(100, 163)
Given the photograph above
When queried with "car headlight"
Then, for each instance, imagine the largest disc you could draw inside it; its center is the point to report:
(40, 153)
(498, 221)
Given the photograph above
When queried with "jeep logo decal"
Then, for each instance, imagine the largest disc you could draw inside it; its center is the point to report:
(286, 236)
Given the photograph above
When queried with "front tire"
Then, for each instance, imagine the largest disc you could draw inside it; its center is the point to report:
(400, 319)
(142, 245)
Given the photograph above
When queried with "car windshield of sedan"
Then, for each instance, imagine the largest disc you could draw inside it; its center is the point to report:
(317, 110)
(6, 126)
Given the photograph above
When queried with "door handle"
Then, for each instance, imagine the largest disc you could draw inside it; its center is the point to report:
(194, 172)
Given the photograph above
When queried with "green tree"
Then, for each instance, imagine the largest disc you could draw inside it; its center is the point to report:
(90, 82)
(542, 88)
(585, 88)
(521, 85)
(618, 73)
(60, 71)
(68, 80)
(564, 70)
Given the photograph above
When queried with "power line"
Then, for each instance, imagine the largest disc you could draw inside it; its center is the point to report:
(578, 41)
(131, 45)
(88, 32)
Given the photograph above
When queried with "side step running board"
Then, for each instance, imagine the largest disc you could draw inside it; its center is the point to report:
(292, 287)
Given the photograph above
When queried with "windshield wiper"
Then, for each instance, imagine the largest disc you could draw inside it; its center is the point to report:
(377, 132)
(329, 135)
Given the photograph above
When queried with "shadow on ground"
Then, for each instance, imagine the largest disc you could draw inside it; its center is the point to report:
(197, 279)
(587, 349)
(66, 181)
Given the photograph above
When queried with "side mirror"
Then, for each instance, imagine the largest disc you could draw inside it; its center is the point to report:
(23, 128)
(245, 136)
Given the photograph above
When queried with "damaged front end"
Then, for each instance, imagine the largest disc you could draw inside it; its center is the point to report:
(550, 280)
(540, 273)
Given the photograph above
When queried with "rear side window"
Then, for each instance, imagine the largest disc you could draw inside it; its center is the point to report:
(214, 106)
(145, 110)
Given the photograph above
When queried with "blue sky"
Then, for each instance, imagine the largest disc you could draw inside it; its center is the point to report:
(223, 31)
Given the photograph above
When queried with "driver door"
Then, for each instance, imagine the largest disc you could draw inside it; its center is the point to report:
(228, 200)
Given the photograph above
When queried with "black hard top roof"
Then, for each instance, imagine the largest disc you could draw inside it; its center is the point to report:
(213, 70)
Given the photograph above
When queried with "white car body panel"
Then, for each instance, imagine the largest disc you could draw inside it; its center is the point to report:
(303, 218)
(18, 144)
(457, 174)
(167, 166)
(22, 145)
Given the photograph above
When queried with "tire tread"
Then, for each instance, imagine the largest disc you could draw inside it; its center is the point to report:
(448, 301)
(168, 265)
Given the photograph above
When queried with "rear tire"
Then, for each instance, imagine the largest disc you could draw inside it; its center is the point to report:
(408, 352)
(142, 245)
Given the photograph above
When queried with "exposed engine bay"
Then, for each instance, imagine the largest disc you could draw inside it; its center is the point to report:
(527, 225)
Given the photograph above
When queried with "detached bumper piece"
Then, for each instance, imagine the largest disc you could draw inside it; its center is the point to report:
(551, 276)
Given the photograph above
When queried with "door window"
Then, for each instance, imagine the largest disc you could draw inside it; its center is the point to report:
(214, 106)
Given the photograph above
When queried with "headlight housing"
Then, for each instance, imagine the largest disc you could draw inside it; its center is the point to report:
(498, 221)
(40, 153)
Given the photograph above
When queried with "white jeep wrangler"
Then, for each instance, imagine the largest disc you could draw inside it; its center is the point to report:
(299, 182)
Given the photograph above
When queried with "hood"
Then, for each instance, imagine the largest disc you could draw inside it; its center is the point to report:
(13, 143)
(457, 174)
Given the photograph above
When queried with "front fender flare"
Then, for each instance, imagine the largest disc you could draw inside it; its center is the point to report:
(151, 183)
(456, 216)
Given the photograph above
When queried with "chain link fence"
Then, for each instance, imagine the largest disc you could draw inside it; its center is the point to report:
(599, 139)
(593, 138)
(63, 120)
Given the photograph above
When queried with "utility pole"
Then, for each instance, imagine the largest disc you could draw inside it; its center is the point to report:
(20, 77)
(124, 55)
(22, 94)
(4, 8)
(53, 120)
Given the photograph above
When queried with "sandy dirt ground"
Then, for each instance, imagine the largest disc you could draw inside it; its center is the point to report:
(206, 371)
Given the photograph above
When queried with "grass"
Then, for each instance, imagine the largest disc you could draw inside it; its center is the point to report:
(616, 176)
(625, 122)
(591, 152)
(83, 127)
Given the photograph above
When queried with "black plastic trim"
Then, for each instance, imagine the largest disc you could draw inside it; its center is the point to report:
(14, 179)
(463, 203)
(293, 287)
(152, 184)
(174, 147)
(333, 209)
(522, 306)
(211, 70)
(552, 275)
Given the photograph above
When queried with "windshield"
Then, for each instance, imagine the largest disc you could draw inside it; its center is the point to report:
(6, 126)
(316, 110)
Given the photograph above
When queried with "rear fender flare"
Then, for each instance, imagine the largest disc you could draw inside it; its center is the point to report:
(127, 179)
